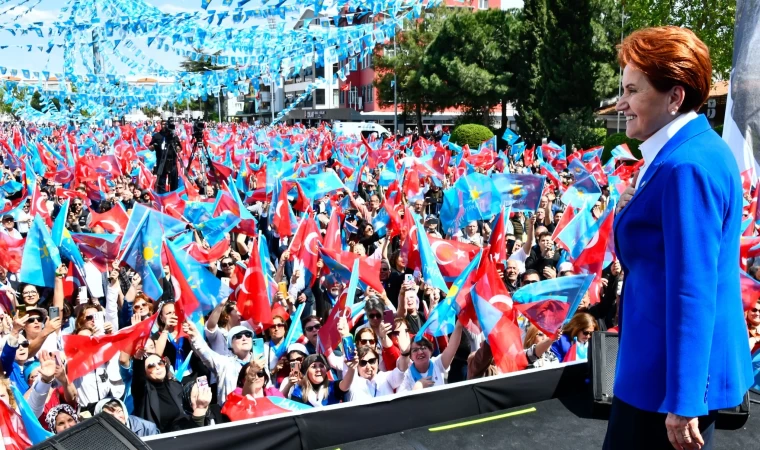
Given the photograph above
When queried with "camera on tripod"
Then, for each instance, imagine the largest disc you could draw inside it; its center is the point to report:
(198, 127)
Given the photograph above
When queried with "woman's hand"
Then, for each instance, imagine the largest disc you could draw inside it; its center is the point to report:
(683, 432)
(190, 330)
(295, 376)
(423, 383)
(343, 327)
(47, 367)
(18, 324)
(628, 193)
(53, 325)
(107, 328)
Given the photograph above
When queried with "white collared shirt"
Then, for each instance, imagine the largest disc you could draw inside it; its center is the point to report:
(652, 146)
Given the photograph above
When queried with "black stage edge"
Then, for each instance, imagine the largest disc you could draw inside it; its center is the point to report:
(564, 418)
(566, 423)
(334, 425)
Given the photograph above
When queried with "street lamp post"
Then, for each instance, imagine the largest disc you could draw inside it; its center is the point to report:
(395, 92)
(620, 70)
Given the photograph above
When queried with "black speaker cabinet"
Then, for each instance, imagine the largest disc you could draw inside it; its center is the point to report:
(101, 432)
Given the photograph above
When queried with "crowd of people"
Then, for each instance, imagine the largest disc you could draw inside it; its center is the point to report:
(227, 360)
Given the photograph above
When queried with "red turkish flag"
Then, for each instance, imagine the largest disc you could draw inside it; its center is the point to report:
(39, 206)
(11, 252)
(252, 299)
(12, 428)
(240, 407)
(86, 353)
(114, 220)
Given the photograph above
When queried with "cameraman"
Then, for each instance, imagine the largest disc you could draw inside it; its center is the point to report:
(166, 146)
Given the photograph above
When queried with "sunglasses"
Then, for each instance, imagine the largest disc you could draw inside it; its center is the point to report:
(418, 349)
(227, 264)
(367, 341)
(261, 374)
(24, 344)
(34, 319)
(77, 204)
(298, 360)
(160, 363)
(587, 333)
(242, 334)
(139, 305)
(313, 328)
(755, 310)
(371, 362)
(89, 318)
(374, 316)
(278, 325)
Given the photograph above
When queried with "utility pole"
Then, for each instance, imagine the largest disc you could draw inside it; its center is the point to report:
(395, 91)
(620, 70)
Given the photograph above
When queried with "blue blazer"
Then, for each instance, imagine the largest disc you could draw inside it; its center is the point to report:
(683, 340)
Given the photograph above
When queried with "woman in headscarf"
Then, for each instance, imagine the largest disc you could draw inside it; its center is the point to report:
(60, 418)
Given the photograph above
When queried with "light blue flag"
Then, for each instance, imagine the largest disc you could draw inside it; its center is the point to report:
(293, 334)
(353, 284)
(442, 319)
(510, 136)
(63, 240)
(180, 373)
(431, 273)
(41, 257)
(33, 427)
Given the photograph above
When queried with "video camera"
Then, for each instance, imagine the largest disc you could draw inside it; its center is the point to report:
(198, 128)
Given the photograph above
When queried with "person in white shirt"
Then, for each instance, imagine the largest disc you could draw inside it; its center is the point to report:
(222, 319)
(227, 367)
(24, 220)
(9, 227)
(372, 382)
(425, 371)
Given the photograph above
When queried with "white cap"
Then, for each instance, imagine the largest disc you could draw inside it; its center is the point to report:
(566, 267)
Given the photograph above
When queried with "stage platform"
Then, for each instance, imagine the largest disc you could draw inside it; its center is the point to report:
(533, 409)
(558, 424)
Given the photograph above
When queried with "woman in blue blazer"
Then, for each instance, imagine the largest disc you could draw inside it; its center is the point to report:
(683, 343)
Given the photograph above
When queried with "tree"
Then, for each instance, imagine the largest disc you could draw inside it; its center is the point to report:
(203, 65)
(712, 20)
(406, 63)
(473, 69)
(527, 76)
(568, 61)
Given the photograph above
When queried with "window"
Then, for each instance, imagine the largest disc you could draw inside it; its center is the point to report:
(336, 96)
(482, 4)
(321, 71)
(319, 97)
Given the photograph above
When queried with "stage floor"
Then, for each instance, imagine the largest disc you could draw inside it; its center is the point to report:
(557, 424)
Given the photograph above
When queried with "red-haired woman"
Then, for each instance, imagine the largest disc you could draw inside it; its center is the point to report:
(683, 345)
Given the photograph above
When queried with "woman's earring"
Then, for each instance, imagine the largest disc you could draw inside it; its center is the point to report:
(673, 113)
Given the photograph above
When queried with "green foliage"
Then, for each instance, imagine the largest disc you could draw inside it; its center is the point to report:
(567, 61)
(579, 128)
(406, 63)
(473, 70)
(471, 134)
(208, 106)
(616, 139)
(712, 21)
(528, 76)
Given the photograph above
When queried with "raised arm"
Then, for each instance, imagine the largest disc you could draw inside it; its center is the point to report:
(448, 355)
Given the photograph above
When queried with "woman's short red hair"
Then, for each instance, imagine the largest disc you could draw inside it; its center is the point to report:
(671, 56)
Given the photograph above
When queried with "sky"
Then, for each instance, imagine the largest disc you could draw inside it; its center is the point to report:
(14, 52)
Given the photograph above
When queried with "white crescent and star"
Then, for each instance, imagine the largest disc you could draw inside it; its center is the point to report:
(115, 227)
(441, 254)
(308, 242)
